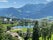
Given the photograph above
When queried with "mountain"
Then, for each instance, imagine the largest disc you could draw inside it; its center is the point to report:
(33, 11)
(27, 11)
(8, 12)
(47, 11)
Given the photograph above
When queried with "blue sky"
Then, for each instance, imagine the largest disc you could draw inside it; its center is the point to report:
(20, 3)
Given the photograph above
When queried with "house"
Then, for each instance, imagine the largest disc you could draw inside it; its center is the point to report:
(5, 19)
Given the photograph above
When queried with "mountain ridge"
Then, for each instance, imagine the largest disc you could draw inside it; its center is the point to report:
(32, 11)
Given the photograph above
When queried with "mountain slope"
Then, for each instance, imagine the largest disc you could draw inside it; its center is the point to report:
(47, 11)
(28, 11)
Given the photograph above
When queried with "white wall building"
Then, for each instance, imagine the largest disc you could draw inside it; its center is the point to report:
(5, 19)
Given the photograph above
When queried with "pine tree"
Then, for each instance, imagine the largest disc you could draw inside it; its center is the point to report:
(35, 32)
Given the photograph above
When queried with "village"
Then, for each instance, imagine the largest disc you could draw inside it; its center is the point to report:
(12, 28)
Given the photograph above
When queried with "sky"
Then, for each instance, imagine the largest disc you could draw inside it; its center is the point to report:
(20, 3)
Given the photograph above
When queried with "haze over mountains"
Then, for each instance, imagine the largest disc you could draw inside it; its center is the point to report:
(33, 11)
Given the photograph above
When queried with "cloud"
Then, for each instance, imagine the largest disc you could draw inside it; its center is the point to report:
(3, 0)
(49, 0)
(41, 1)
(14, 2)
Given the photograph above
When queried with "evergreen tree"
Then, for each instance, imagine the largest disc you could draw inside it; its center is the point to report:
(35, 32)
